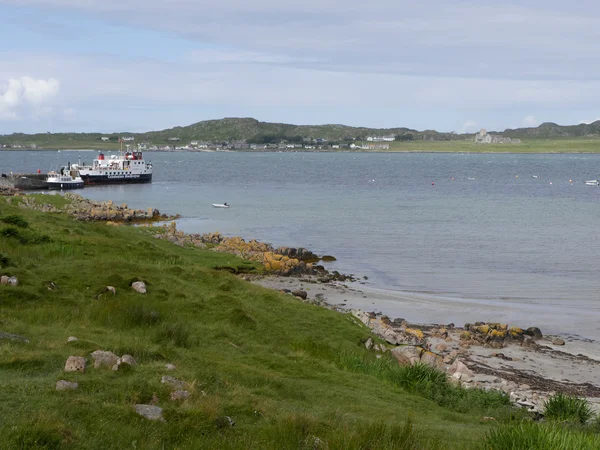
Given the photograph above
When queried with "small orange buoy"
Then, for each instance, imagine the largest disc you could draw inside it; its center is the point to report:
(517, 176)
(570, 181)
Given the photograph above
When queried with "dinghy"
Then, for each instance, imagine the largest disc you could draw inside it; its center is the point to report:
(592, 183)
(220, 205)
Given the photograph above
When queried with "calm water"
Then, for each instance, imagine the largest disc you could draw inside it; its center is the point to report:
(493, 234)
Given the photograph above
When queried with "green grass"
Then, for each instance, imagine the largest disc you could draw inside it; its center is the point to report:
(290, 375)
(531, 436)
(564, 408)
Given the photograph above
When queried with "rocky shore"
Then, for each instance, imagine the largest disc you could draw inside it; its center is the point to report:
(526, 364)
(84, 209)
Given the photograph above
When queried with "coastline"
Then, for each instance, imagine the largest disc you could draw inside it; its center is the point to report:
(528, 373)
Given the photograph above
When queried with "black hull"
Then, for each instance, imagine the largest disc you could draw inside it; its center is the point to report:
(93, 180)
(63, 186)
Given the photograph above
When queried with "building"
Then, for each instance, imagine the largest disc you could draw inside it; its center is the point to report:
(104, 138)
(483, 137)
(128, 138)
(173, 139)
(389, 138)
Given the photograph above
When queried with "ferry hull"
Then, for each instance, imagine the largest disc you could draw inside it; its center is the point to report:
(92, 180)
(63, 186)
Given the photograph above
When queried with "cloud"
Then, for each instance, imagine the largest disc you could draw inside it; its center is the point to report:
(530, 121)
(27, 96)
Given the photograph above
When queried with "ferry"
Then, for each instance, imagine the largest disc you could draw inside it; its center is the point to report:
(68, 178)
(127, 167)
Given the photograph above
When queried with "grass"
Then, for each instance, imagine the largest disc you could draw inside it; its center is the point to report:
(564, 408)
(291, 375)
(531, 436)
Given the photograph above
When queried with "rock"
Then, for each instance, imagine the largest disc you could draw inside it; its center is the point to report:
(407, 354)
(314, 443)
(111, 289)
(104, 359)
(12, 337)
(226, 421)
(465, 336)
(170, 367)
(459, 367)
(13, 281)
(369, 344)
(534, 332)
(362, 316)
(558, 341)
(179, 395)
(449, 339)
(441, 347)
(328, 258)
(300, 294)
(75, 364)
(150, 412)
(4, 279)
(433, 360)
(448, 359)
(524, 387)
(139, 286)
(63, 385)
(72, 339)
(174, 382)
(125, 360)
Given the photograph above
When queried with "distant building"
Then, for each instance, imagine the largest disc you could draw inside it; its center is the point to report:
(484, 138)
(128, 138)
(173, 139)
(105, 138)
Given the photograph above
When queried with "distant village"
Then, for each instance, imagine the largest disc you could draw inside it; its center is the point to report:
(297, 143)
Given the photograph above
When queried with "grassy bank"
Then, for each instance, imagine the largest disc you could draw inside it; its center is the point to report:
(290, 375)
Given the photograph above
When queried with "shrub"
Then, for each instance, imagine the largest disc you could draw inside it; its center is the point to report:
(16, 220)
(566, 408)
(533, 436)
(4, 260)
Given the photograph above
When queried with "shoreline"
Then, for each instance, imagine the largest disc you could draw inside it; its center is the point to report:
(528, 372)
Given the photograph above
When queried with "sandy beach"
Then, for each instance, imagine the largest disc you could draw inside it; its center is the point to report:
(528, 373)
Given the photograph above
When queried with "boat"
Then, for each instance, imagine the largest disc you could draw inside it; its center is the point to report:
(220, 205)
(68, 178)
(592, 183)
(126, 167)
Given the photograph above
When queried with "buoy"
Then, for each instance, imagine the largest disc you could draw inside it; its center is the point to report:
(453, 178)
(432, 183)
(517, 176)
(39, 171)
(551, 182)
(570, 181)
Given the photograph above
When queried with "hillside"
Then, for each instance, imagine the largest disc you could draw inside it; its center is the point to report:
(234, 129)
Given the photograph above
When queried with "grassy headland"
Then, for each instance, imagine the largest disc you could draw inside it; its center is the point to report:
(291, 375)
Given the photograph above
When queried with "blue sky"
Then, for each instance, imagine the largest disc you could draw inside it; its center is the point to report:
(138, 65)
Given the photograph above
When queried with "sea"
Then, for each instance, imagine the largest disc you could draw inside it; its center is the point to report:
(518, 234)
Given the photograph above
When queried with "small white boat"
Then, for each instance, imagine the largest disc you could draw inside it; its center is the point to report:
(220, 205)
(66, 179)
(592, 183)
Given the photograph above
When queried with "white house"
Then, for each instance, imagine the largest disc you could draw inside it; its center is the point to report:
(104, 138)
(128, 138)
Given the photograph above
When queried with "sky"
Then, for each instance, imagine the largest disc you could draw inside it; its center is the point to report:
(140, 65)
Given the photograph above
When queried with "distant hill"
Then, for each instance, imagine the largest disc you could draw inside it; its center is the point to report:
(231, 129)
(549, 129)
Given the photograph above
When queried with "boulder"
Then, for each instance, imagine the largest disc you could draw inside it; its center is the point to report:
(465, 335)
(362, 316)
(170, 367)
(75, 364)
(72, 339)
(63, 385)
(179, 395)
(534, 332)
(13, 281)
(150, 412)
(369, 344)
(433, 360)
(558, 341)
(4, 279)
(441, 347)
(139, 286)
(111, 289)
(172, 381)
(104, 359)
(407, 354)
(459, 367)
(300, 294)
(125, 360)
